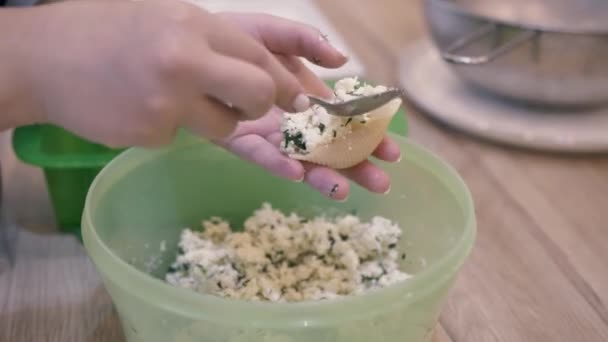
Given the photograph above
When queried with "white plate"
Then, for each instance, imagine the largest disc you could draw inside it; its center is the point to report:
(303, 11)
(432, 86)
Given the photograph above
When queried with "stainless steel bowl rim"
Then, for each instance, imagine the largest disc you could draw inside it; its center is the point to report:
(550, 68)
(575, 20)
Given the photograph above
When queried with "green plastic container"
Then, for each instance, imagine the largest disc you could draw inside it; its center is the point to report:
(142, 199)
(69, 163)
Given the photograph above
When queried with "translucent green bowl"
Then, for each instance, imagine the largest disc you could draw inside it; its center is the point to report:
(142, 199)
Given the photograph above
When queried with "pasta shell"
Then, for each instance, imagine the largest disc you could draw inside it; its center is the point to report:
(356, 146)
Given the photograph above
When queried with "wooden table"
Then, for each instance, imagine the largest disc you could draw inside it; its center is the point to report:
(539, 271)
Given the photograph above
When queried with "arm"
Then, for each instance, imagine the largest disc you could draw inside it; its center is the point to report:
(15, 106)
(127, 73)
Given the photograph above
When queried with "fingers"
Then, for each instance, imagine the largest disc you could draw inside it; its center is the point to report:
(331, 183)
(257, 150)
(388, 150)
(366, 174)
(309, 81)
(369, 176)
(242, 85)
(265, 153)
(275, 139)
(286, 37)
(211, 119)
(327, 181)
(264, 126)
(231, 42)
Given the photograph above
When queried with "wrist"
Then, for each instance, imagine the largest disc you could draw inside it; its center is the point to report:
(16, 98)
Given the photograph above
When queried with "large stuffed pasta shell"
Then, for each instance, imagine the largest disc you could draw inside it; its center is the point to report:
(357, 145)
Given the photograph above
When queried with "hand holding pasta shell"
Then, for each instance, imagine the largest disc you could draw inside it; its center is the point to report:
(319, 137)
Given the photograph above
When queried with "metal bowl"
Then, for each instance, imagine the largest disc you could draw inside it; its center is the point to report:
(520, 60)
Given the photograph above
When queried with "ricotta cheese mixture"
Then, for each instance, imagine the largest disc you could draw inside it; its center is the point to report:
(287, 258)
(303, 132)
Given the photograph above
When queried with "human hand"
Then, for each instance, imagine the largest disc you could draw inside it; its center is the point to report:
(131, 73)
(127, 73)
(258, 141)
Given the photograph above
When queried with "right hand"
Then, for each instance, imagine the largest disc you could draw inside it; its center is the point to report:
(126, 73)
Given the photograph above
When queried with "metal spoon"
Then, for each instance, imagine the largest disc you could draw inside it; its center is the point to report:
(358, 106)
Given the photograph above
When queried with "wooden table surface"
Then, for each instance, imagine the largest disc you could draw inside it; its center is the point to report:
(538, 272)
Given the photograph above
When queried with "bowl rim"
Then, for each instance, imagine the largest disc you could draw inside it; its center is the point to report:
(527, 23)
(283, 315)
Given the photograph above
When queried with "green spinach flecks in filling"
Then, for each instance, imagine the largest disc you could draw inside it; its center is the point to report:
(321, 128)
(297, 140)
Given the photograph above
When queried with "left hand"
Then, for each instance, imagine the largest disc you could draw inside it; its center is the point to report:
(258, 141)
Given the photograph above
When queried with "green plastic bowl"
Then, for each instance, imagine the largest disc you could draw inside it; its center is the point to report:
(143, 199)
(69, 163)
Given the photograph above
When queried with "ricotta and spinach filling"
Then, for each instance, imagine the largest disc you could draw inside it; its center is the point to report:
(303, 132)
(287, 258)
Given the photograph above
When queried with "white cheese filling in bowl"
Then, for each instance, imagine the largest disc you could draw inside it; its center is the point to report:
(287, 258)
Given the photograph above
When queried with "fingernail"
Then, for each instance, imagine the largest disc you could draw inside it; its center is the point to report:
(334, 189)
(345, 56)
(387, 190)
(301, 103)
(341, 200)
(300, 180)
(398, 159)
